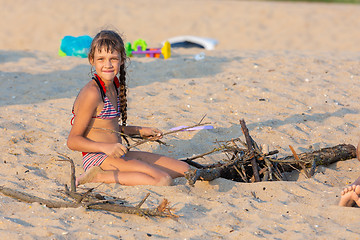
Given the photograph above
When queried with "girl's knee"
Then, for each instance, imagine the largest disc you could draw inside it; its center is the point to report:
(165, 180)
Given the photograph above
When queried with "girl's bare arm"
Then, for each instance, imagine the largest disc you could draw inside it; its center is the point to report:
(86, 105)
(145, 132)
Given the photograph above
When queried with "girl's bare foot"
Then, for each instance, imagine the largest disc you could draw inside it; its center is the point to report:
(89, 175)
(350, 196)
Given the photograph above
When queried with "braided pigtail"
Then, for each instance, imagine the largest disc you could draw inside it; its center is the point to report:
(122, 95)
(123, 100)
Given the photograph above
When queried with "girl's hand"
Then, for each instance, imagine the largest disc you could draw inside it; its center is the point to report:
(116, 150)
(150, 133)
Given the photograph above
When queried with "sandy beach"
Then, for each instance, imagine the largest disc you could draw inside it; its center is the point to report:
(290, 70)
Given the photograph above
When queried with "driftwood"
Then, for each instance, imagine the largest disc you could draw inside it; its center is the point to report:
(250, 164)
(324, 156)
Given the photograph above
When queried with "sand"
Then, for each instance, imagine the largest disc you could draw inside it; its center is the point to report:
(290, 70)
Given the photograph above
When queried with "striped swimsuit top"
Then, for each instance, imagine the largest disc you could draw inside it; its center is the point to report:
(108, 111)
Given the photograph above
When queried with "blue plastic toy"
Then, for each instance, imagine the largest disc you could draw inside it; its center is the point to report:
(75, 46)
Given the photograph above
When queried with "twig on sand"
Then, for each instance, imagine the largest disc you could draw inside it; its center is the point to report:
(164, 134)
(249, 143)
(72, 175)
(307, 175)
(189, 159)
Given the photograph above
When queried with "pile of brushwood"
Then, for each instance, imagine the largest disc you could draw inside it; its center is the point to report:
(247, 162)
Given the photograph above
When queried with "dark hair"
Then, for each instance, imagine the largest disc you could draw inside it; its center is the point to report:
(111, 41)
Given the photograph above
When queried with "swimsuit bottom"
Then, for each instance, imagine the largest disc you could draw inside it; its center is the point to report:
(93, 159)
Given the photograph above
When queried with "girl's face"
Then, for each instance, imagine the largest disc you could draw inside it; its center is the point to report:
(107, 64)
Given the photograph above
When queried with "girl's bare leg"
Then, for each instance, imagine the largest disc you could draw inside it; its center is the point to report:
(132, 172)
(171, 166)
(96, 174)
(131, 178)
(136, 168)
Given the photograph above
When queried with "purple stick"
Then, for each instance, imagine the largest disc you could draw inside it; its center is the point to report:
(146, 51)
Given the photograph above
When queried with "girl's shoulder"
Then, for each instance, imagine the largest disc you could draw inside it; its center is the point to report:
(90, 90)
(89, 95)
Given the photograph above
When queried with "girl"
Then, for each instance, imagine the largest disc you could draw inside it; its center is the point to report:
(95, 126)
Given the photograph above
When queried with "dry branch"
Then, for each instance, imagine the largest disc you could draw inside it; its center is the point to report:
(301, 164)
(31, 199)
(249, 143)
(72, 174)
(160, 211)
(166, 133)
(165, 211)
